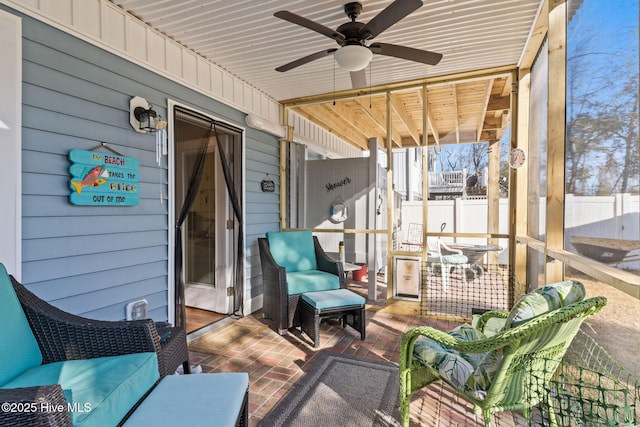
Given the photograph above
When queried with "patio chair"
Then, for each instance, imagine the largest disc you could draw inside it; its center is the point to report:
(446, 263)
(499, 371)
(293, 262)
(51, 359)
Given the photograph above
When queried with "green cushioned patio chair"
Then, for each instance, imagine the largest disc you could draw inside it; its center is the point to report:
(501, 370)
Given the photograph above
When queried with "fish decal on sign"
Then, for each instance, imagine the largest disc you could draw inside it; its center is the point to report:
(96, 176)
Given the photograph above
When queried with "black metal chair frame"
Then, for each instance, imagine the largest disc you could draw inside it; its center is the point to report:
(281, 310)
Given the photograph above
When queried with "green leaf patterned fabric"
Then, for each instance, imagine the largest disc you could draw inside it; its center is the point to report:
(459, 368)
(474, 372)
(545, 299)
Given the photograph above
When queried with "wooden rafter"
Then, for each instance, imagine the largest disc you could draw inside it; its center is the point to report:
(318, 114)
(430, 121)
(401, 112)
(378, 118)
(483, 112)
(457, 114)
(471, 110)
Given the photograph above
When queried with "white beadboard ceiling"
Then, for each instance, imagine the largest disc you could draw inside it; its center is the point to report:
(243, 37)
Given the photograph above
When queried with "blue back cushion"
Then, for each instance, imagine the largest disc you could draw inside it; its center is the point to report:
(293, 250)
(20, 350)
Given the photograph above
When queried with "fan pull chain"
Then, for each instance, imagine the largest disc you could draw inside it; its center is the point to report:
(334, 82)
(370, 84)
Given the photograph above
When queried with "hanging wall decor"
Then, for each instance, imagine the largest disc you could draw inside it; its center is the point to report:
(267, 185)
(99, 179)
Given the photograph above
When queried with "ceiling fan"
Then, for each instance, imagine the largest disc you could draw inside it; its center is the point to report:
(354, 53)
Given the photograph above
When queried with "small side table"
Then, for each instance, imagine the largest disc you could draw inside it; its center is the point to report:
(173, 342)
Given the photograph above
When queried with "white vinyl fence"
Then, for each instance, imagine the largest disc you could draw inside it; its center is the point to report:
(616, 216)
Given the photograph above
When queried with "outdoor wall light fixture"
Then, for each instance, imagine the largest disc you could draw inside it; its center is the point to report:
(144, 119)
(353, 57)
(147, 118)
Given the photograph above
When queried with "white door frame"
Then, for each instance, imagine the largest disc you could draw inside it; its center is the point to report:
(11, 143)
(171, 104)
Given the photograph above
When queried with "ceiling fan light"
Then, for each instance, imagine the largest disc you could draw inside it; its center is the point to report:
(353, 57)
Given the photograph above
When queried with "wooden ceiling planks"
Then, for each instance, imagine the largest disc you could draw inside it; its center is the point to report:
(468, 111)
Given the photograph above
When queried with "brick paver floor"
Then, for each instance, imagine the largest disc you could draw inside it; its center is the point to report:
(275, 363)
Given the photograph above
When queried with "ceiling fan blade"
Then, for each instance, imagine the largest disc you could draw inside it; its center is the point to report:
(307, 23)
(305, 60)
(389, 16)
(403, 52)
(358, 79)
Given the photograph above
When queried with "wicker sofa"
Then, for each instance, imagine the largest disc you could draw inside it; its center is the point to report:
(57, 369)
(293, 262)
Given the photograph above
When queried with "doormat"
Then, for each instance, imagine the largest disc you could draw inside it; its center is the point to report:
(340, 390)
(227, 337)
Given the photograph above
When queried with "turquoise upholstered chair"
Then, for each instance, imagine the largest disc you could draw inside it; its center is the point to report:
(99, 370)
(504, 370)
(293, 262)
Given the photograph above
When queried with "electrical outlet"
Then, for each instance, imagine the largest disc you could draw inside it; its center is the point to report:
(137, 310)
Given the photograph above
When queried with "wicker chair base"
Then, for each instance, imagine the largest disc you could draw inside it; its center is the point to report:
(174, 350)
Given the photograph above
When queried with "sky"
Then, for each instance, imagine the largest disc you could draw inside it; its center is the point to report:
(605, 32)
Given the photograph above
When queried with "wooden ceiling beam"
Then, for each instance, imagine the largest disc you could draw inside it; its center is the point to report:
(497, 103)
(377, 90)
(458, 137)
(457, 114)
(432, 126)
(349, 116)
(399, 109)
(318, 115)
(378, 118)
(494, 122)
(483, 113)
(345, 127)
(373, 113)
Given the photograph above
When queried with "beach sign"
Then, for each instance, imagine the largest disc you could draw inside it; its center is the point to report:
(102, 179)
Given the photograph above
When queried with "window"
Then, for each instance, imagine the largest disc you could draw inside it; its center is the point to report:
(537, 179)
(602, 201)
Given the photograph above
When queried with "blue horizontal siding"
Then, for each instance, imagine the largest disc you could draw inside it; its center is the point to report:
(65, 287)
(92, 260)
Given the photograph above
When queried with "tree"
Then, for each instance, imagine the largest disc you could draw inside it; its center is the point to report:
(602, 99)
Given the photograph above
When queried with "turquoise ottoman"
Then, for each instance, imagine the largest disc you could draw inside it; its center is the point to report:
(219, 400)
(339, 303)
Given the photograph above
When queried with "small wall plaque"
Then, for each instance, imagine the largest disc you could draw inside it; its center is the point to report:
(268, 186)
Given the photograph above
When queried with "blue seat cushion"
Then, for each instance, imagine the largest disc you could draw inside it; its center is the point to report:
(334, 298)
(100, 391)
(15, 334)
(193, 400)
(293, 250)
(448, 259)
(312, 280)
